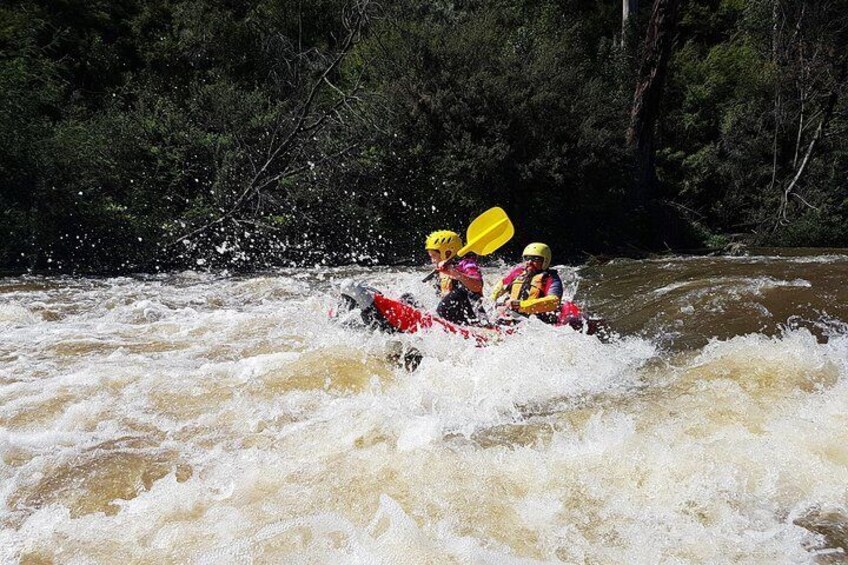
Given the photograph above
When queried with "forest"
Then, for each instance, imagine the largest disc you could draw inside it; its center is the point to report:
(219, 134)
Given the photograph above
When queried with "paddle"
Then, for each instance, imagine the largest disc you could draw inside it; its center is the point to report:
(486, 234)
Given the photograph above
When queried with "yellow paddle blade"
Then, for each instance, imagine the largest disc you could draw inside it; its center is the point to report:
(488, 232)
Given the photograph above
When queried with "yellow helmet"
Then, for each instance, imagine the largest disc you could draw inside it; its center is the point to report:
(539, 250)
(443, 241)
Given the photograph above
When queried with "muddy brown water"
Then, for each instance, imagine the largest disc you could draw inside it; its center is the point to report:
(194, 418)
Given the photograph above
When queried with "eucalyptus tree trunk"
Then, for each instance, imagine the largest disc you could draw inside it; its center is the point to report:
(629, 8)
(656, 53)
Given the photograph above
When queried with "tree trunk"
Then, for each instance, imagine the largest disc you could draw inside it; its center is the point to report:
(629, 8)
(827, 114)
(647, 98)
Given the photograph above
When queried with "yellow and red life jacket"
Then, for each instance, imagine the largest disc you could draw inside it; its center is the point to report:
(531, 292)
(528, 288)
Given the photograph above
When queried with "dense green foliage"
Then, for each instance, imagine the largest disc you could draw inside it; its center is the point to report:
(748, 76)
(138, 135)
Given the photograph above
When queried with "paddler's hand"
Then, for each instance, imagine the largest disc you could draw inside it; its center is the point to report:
(446, 268)
(508, 315)
(514, 305)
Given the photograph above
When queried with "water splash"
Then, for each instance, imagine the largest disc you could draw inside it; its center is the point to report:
(193, 418)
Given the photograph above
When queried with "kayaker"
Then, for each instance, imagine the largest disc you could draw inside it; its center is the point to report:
(533, 287)
(460, 282)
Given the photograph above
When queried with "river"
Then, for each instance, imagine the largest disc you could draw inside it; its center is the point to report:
(191, 417)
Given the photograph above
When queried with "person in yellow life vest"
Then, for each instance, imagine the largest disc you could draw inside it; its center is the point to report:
(460, 282)
(533, 287)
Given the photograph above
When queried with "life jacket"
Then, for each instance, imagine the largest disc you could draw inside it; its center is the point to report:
(445, 285)
(532, 287)
(527, 288)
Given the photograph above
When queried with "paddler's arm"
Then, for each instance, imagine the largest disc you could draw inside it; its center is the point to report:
(539, 305)
(497, 291)
(548, 303)
(473, 284)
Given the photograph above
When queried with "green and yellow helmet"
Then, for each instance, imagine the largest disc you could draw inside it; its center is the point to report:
(444, 241)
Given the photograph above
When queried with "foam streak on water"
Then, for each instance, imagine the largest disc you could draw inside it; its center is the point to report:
(194, 419)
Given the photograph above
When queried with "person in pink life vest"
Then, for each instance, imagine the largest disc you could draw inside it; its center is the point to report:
(460, 282)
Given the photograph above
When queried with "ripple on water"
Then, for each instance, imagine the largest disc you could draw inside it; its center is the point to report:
(831, 523)
(340, 371)
(96, 479)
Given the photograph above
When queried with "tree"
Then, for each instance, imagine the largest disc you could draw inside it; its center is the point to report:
(272, 155)
(629, 9)
(647, 98)
(808, 48)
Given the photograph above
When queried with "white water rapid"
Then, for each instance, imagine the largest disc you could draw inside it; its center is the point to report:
(191, 418)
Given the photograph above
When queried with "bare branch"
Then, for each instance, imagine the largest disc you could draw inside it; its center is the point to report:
(799, 197)
(307, 105)
(826, 115)
(683, 208)
(257, 224)
(201, 229)
(301, 124)
(300, 170)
